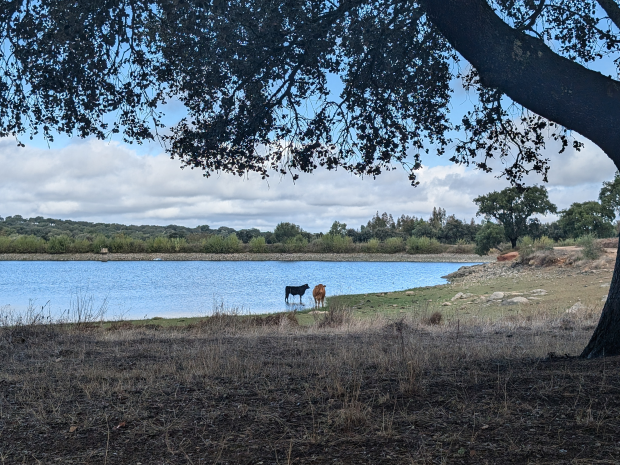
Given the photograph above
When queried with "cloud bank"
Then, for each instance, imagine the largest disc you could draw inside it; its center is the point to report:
(109, 182)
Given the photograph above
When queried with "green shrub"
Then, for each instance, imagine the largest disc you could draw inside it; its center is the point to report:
(232, 244)
(489, 237)
(372, 246)
(218, 244)
(5, 244)
(277, 248)
(214, 244)
(124, 244)
(296, 244)
(591, 249)
(462, 246)
(100, 242)
(525, 245)
(335, 243)
(29, 244)
(179, 244)
(22, 244)
(544, 243)
(80, 246)
(257, 245)
(394, 245)
(159, 244)
(423, 245)
(58, 244)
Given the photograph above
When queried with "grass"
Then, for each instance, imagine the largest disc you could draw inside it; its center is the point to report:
(483, 383)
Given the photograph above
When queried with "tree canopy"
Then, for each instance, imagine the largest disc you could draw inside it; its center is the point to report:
(585, 218)
(299, 84)
(514, 208)
(293, 85)
(610, 194)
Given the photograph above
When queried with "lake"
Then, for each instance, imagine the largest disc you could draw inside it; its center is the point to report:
(194, 288)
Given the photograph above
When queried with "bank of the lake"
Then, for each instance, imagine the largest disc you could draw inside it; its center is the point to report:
(286, 257)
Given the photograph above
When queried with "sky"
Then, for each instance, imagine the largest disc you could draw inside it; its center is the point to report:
(103, 181)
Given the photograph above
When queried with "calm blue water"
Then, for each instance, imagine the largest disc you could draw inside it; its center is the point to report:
(193, 288)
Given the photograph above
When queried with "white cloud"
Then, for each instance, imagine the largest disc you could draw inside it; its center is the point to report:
(109, 182)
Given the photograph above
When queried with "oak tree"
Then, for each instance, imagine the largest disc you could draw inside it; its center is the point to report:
(587, 218)
(361, 85)
(514, 208)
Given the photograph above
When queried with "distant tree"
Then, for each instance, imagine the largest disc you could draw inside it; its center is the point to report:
(553, 231)
(514, 207)
(587, 218)
(338, 229)
(609, 195)
(383, 221)
(425, 229)
(270, 238)
(438, 218)
(406, 224)
(285, 231)
(454, 230)
(246, 235)
(488, 237)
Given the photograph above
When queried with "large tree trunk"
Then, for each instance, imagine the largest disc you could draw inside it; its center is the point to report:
(606, 338)
(513, 242)
(531, 74)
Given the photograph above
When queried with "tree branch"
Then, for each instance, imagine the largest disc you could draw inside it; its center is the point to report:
(612, 9)
(530, 73)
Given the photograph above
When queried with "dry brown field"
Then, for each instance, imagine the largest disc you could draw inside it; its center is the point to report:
(482, 384)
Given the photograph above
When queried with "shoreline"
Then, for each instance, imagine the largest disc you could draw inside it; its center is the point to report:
(291, 257)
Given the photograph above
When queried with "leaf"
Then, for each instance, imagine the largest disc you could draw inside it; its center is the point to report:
(72, 429)
(121, 424)
(484, 426)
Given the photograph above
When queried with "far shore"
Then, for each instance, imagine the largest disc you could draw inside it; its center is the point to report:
(292, 257)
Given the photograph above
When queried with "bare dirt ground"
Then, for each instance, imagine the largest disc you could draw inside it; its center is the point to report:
(343, 390)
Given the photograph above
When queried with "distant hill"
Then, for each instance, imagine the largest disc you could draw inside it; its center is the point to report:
(49, 227)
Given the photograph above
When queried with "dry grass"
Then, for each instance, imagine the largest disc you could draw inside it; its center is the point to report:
(343, 390)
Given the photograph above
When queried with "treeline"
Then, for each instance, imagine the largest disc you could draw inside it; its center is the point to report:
(382, 234)
(512, 209)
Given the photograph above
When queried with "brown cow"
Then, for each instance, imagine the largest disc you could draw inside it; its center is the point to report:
(319, 295)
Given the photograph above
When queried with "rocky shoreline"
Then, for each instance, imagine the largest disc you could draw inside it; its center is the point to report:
(324, 257)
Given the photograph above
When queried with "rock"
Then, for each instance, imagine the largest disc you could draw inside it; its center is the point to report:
(538, 292)
(516, 301)
(577, 307)
(507, 256)
(446, 304)
(460, 295)
(606, 285)
(409, 293)
(496, 296)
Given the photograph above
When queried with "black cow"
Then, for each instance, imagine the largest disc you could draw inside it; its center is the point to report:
(296, 290)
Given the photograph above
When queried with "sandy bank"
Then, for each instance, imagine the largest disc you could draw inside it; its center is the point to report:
(325, 257)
